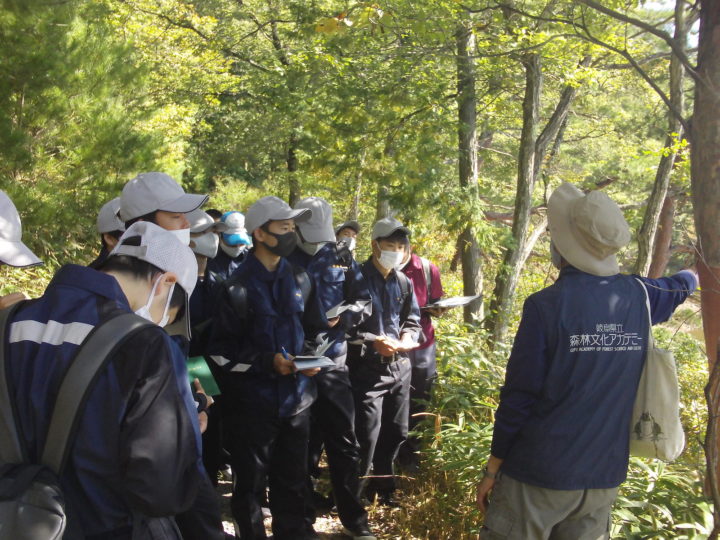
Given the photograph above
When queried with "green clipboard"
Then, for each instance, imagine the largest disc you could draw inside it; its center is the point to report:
(198, 369)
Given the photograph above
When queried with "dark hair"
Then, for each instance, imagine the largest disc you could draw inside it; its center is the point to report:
(396, 236)
(214, 213)
(151, 217)
(141, 270)
(114, 234)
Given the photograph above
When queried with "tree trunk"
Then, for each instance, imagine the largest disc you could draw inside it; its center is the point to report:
(531, 163)
(705, 172)
(663, 239)
(354, 212)
(468, 165)
(382, 210)
(509, 273)
(292, 167)
(705, 168)
(712, 461)
(648, 230)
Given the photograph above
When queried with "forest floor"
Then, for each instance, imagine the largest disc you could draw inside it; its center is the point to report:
(327, 525)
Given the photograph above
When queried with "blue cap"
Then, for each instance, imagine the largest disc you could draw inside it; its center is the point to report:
(236, 234)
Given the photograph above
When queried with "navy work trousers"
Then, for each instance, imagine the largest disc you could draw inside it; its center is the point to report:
(381, 392)
(334, 425)
(266, 450)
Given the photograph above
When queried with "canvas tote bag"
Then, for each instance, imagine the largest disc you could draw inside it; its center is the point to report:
(655, 428)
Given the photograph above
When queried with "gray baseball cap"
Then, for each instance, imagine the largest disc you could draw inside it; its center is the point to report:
(318, 228)
(201, 222)
(108, 220)
(272, 209)
(350, 224)
(152, 191)
(386, 226)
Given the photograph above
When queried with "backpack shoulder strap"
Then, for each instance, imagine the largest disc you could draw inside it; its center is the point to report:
(237, 293)
(303, 281)
(405, 290)
(428, 276)
(11, 449)
(92, 355)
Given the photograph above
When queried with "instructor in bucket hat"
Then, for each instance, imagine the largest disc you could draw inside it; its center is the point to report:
(561, 435)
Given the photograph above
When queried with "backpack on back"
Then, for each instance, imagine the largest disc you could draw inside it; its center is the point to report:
(32, 505)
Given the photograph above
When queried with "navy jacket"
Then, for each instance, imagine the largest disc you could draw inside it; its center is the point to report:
(138, 445)
(336, 278)
(393, 314)
(564, 416)
(243, 345)
(222, 266)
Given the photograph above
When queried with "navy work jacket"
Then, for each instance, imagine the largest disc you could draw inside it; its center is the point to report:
(393, 313)
(564, 416)
(222, 266)
(336, 278)
(138, 445)
(243, 345)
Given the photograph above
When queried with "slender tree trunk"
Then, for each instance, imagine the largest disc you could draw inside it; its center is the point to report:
(292, 167)
(648, 230)
(705, 172)
(531, 160)
(382, 209)
(663, 239)
(354, 212)
(509, 273)
(468, 165)
(712, 459)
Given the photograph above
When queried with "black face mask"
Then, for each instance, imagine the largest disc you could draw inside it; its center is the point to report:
(286, 243)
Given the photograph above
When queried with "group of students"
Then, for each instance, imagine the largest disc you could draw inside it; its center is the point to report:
(262, 296)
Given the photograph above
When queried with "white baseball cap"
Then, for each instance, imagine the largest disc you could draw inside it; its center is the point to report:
(163, 249)
(318, 228)
(108, 220)
(12, 250)
(272, 209)
(152, 191)
(587, 230)
(386, 226)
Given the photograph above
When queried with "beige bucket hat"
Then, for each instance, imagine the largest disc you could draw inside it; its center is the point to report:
(587, 229)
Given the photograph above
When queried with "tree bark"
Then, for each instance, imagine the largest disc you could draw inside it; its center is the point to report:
(705, 169)
(292, 167)
(648, 230)
(509, 273)
(468, 165)
(705, 173)
(382, 210)
(532, 158)
(663, 239)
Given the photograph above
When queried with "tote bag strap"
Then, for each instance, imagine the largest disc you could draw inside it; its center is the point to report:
(650, 341)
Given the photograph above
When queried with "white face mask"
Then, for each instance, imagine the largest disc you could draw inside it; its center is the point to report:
(348, 242)
(232, 251)
(144, 311)
(183, 235)
(391, 259)
(206, 244)
(555, 256)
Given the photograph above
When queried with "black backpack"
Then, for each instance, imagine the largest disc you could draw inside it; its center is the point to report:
(32, 506)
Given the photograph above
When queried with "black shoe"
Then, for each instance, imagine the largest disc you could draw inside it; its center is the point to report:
(388, 500)
(359, 533)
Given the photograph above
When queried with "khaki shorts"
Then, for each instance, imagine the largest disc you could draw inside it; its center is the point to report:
(520, 511)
